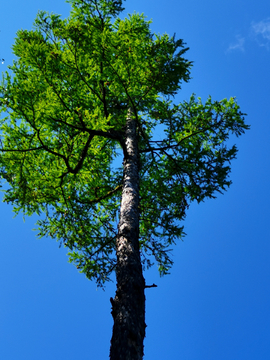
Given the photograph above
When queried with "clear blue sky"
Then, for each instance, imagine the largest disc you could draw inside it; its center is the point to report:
(215, 303)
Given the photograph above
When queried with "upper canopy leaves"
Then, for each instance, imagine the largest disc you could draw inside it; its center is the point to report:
(66, 99)
(103, 9)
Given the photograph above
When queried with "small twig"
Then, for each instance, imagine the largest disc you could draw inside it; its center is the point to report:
(150, 286)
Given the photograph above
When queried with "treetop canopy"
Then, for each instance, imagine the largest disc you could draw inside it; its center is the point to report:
(65, 101)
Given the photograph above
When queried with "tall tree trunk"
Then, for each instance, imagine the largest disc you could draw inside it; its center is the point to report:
(128, 306)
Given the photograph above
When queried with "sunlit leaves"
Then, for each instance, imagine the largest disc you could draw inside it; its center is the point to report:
(65, 100)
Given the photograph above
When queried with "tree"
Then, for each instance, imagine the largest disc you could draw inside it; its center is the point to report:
(82, 92)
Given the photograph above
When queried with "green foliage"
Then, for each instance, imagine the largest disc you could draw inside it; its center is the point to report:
(65, 101)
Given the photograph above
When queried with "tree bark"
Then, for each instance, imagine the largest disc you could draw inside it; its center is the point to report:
(128, 306)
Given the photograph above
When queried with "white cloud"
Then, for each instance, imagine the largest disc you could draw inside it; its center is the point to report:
(237, 45)
(261, 32)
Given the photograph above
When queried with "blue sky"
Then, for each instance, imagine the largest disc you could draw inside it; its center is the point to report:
(215, 303)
